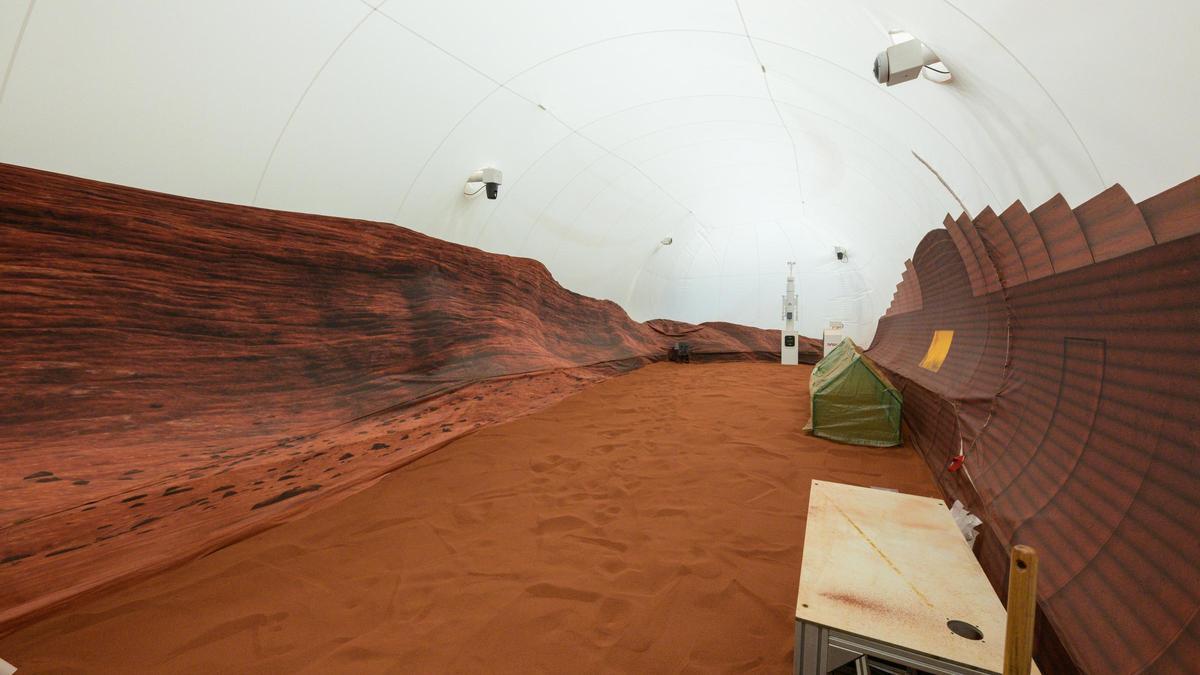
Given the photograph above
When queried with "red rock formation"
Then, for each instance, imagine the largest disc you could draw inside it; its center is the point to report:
(723, 340)
(179, 373)
(1072, 385)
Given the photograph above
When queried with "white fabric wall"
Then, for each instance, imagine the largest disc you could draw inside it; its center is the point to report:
(751, 132)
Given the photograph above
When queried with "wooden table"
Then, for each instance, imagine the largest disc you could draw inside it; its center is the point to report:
(883, 574)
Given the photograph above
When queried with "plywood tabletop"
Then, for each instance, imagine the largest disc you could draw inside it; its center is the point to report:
(895, 568)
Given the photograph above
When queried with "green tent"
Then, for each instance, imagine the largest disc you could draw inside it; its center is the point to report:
(852, 401)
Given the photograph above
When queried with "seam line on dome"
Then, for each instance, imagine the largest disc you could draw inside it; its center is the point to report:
(1041, 86)
(701, 230)
(303, 95)
(574, 131)
(12, 59)
(784, 45)
(774, 104)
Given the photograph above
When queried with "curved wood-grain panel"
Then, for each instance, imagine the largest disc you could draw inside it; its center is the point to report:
(1062, 235)
(987, 266)
(969, 259)
(1175, 213)
(1077, 414)
(1112, 224)
(1028, 239)
(1000, 248)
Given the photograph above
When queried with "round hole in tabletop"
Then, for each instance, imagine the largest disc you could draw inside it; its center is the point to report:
(964, 629)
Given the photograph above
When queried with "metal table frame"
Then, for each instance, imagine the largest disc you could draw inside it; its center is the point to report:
(820, 649)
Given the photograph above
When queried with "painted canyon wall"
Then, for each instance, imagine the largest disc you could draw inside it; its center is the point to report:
(176, 374)
(1072, 385)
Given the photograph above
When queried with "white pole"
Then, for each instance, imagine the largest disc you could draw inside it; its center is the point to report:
(789, 347)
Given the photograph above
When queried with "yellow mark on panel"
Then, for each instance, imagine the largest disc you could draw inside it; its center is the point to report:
(939, 346)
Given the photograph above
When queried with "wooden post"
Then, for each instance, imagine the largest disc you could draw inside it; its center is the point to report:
(1022, 604)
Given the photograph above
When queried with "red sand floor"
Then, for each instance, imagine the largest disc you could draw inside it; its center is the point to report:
(652, 523)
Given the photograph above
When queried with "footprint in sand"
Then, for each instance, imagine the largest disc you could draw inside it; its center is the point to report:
(605, 543)
(550, 462)
(559, 524)
(546, 590)
(614, 566)
(613, 614)
(465, 516)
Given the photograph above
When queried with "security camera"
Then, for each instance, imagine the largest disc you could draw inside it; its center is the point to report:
(842, 255)
(491, 179)
(903, 62)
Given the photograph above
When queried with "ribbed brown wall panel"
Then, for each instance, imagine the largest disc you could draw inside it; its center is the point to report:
(1065, 436)
(1001, 248)
(914, 286)
(908, 292)
(1087, 449)
(1062, 235)
(904, 295)
(1028, 239)
(1174, 213)
(1112, 224)
(974, 273)
(987, 266)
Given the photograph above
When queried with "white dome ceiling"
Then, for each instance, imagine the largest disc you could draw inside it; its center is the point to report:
(750, 132)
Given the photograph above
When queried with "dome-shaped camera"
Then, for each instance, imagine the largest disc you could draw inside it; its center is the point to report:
(905, 61)
(491, 179)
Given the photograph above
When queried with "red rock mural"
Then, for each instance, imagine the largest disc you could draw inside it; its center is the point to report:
(1072, 385)
(176, 374)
